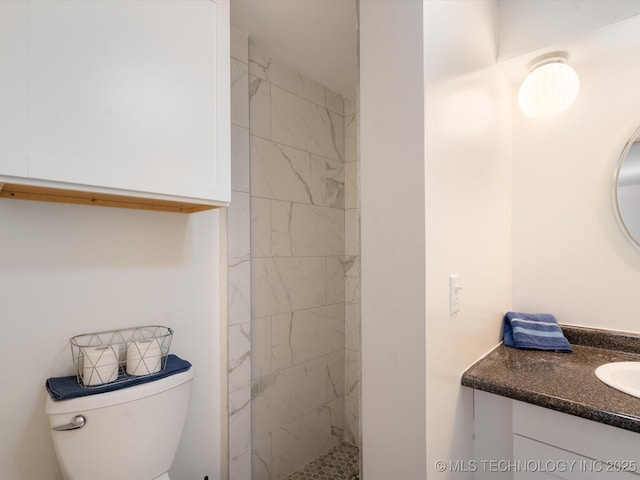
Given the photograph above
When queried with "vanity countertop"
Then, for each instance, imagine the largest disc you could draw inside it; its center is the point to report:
(565, 382)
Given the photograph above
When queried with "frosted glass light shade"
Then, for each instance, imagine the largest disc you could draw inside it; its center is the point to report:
(548, 90)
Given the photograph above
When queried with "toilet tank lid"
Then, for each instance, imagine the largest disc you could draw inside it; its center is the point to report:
(116, 397)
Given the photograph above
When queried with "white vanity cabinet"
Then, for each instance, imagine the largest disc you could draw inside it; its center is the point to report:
(129, 99)
(546, 444)
(570, 447)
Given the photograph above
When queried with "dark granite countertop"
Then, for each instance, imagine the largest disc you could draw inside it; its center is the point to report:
(565, 382)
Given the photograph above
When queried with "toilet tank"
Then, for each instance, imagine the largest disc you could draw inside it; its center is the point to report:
(129, 434)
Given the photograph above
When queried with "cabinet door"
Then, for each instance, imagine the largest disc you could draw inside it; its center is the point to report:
(537, 461)
(13, 87)
(127, 95)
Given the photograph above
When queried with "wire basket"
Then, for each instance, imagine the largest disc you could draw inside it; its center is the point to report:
(116, 356)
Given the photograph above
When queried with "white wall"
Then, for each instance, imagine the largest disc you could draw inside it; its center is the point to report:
(569, 256)
(392, 240)
(68, 269)
(527, 25)
(468, 208)
(537, 234)
(462, 181)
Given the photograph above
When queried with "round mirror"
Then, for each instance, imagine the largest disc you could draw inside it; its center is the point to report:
(626, 190)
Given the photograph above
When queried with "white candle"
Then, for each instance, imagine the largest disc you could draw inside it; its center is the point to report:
(143, 357)
(100, 365)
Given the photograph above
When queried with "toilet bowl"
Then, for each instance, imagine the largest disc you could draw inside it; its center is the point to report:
(127, 434)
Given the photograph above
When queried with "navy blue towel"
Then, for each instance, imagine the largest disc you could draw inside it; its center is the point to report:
(64, 388)
(538, 331)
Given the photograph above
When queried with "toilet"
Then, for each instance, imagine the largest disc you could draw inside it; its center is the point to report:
(127, 434)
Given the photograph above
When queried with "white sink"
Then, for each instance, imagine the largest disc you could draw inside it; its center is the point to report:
(623, 376)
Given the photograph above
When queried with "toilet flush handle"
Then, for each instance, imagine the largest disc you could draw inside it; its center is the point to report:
(76, 422)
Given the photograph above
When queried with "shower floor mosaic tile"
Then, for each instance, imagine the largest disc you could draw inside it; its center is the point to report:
(339, 463)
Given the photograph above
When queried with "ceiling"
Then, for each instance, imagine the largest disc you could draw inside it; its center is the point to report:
(316, 38)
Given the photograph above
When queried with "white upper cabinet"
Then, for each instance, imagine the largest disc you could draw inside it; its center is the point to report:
(13, 88)
(131, 96)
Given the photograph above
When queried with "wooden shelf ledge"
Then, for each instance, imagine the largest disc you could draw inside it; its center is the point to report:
(79, 197)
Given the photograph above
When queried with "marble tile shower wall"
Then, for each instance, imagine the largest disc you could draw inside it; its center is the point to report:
(297, 187)
(352, 273)
(293, 269)
(239, 267)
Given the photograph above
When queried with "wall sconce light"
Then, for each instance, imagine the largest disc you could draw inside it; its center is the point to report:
(550, 88)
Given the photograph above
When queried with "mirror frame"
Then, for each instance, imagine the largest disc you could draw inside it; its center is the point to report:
(616, 204)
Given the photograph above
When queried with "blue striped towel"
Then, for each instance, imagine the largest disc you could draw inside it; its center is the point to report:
(64, 388)
(538, 331)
